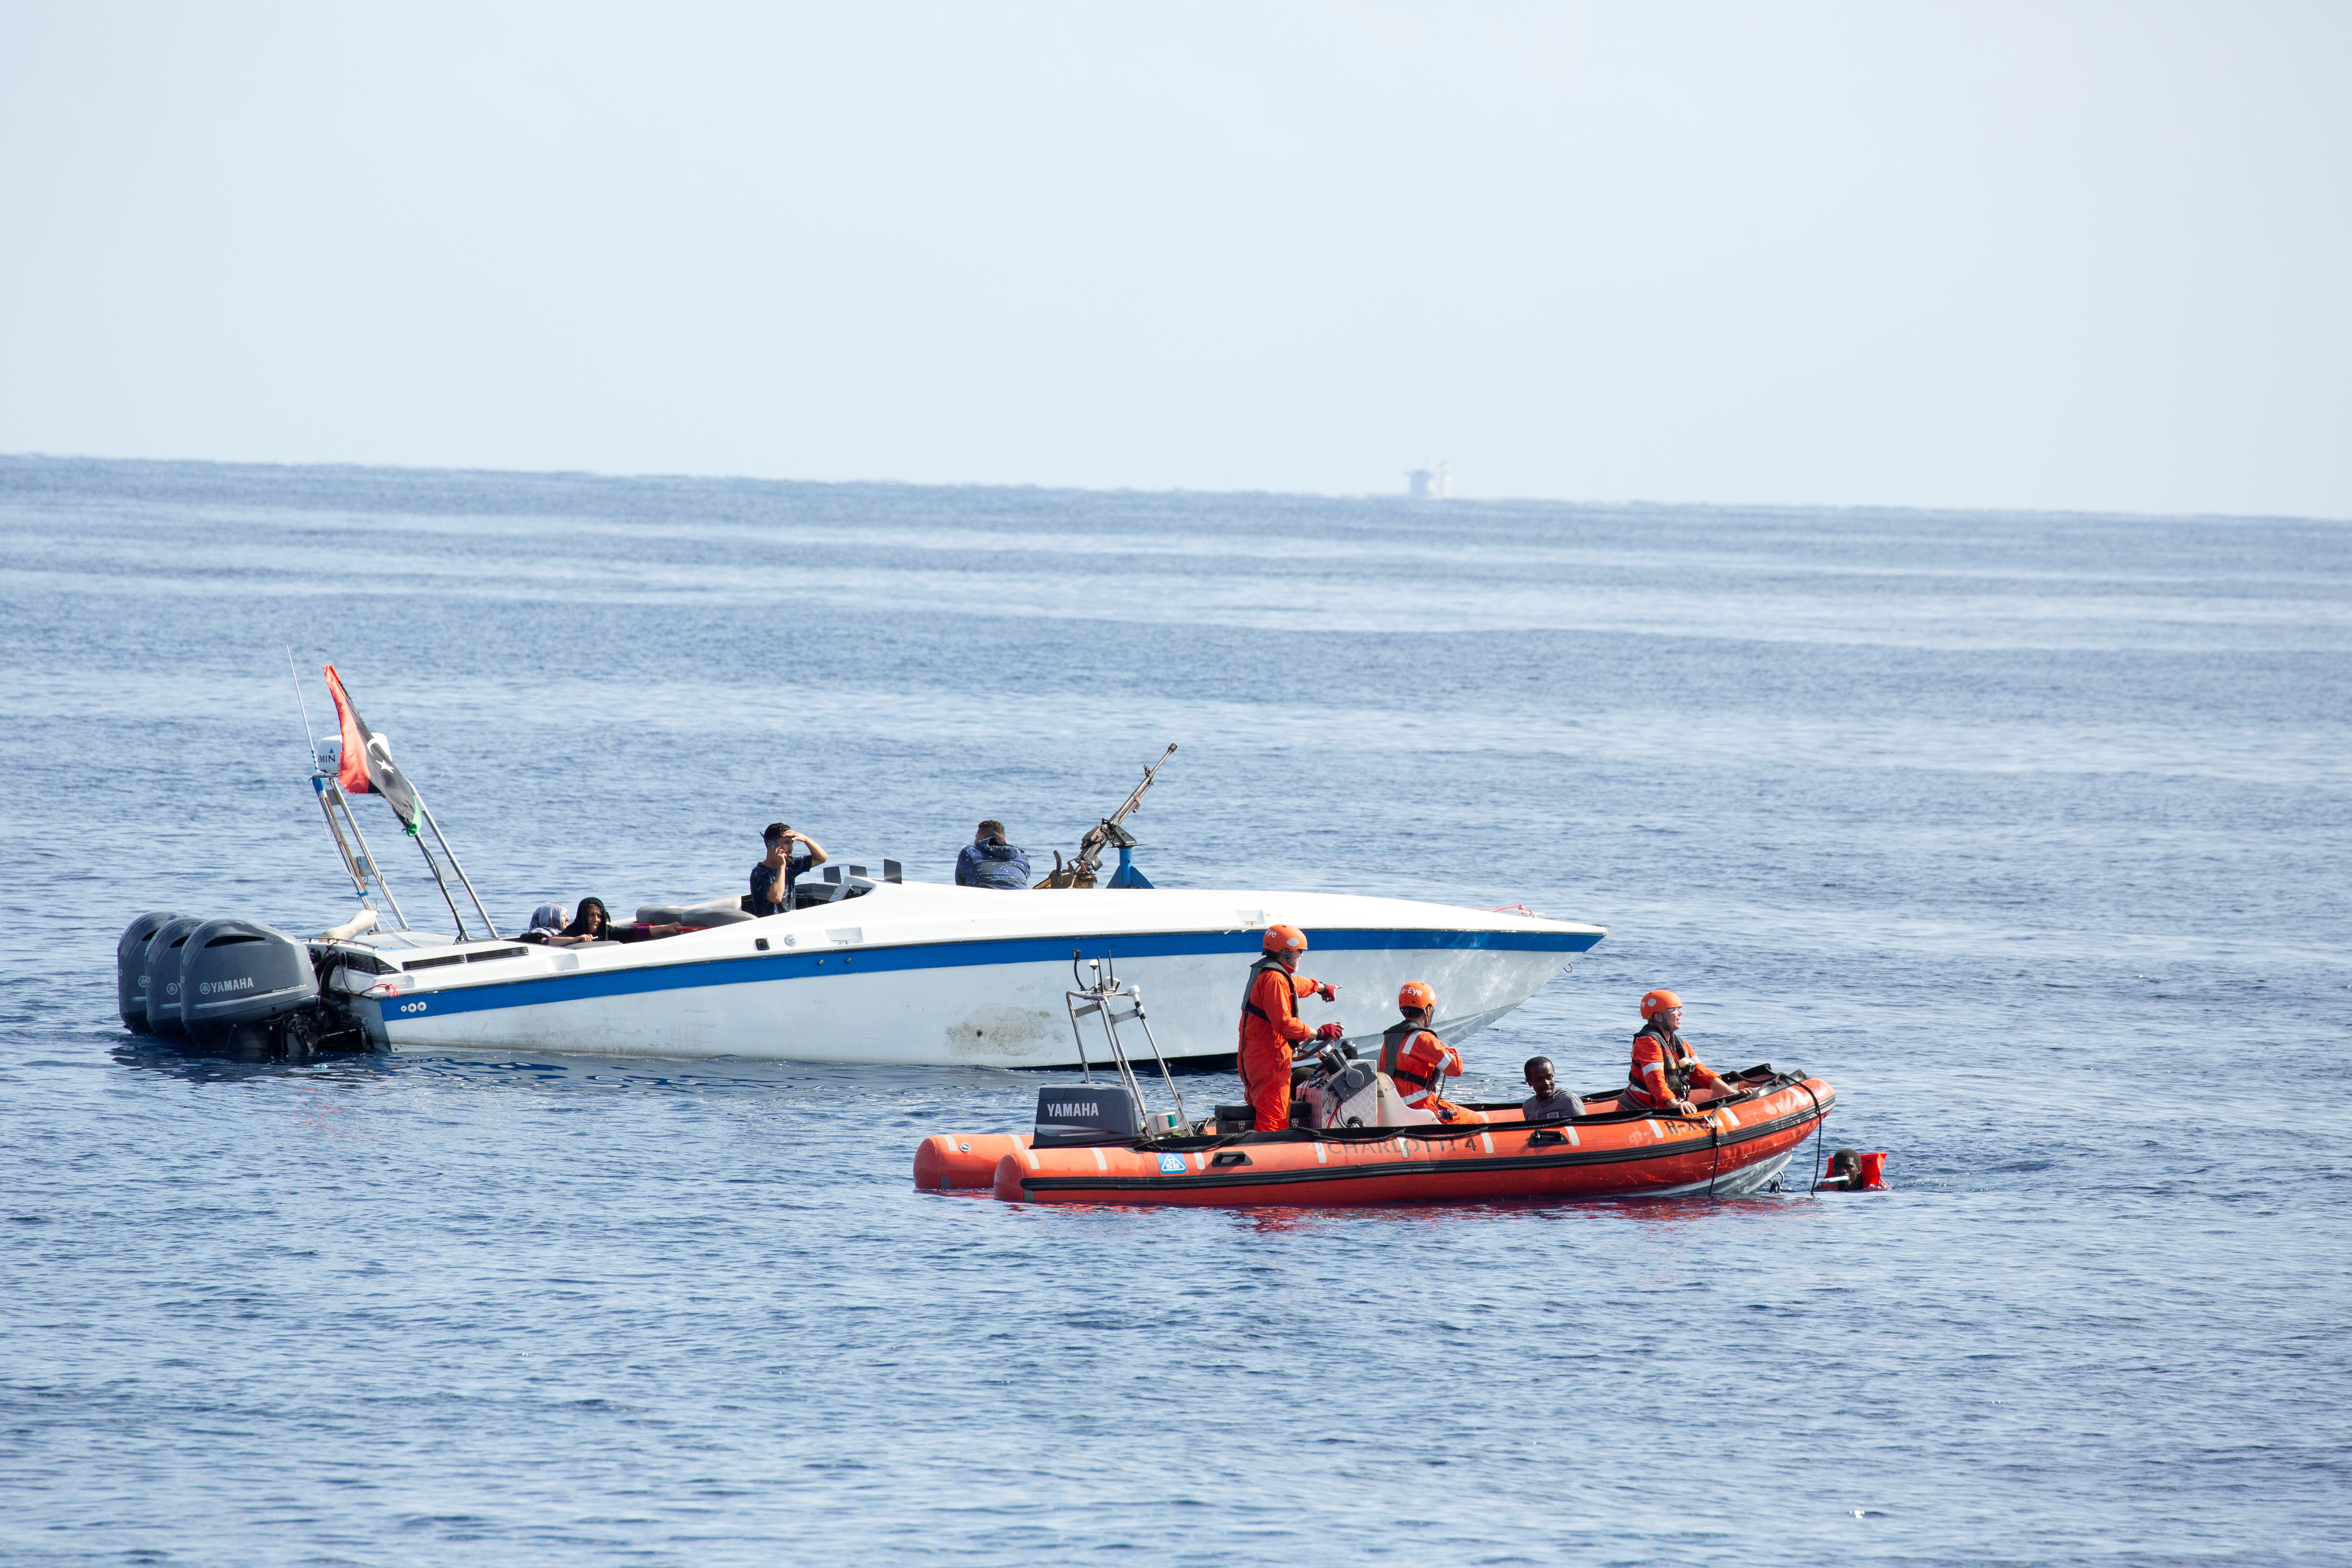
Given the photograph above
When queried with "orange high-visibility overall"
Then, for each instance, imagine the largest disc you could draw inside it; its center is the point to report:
(1415, 1059)
(1270, 1026)
(1665, 1069)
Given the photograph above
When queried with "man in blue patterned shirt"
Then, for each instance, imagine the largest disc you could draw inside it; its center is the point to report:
(990, 862)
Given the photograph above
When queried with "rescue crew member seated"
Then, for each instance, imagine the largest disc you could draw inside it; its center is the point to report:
(990, 862)
(772, 879)
(1664, 1070)
(1415, 1058)
(1271, 1024)
(1550, 1102)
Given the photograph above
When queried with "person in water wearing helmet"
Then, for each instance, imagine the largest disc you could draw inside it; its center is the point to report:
(1665, 1071)
(1416, 1059)
(1271, 1024)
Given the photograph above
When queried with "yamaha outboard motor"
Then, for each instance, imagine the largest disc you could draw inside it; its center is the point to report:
(162, 986)
(239, 976)
(1096, 1113)
(131, 970)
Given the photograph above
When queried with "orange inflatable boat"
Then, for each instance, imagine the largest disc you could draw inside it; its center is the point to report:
(1734, 1144)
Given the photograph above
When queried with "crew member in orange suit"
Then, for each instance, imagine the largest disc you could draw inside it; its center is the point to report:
(1415, 1058)
(1665, 1071)
(1271, 1024)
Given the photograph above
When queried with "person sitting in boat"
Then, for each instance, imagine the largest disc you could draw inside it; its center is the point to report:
(1416, 1059)
(990, 862)
(1271, 1024)
(546, 923)
(1665, 1071)
(1550, 1102)
(772, 877)
(594, 922)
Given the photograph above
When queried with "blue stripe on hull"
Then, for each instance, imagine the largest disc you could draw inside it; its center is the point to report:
(754, 968)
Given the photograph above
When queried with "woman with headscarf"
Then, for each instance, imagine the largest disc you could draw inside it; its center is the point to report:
(546, 923)
(594, 922)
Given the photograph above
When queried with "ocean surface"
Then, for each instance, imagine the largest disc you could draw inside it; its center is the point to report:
(2032, 834)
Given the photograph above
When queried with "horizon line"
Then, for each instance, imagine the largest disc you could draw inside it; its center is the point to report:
(1434, 501)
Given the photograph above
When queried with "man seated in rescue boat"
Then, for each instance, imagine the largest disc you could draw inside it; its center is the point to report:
(1415, 1058)
(1271, 1024)
(1550, 1102)
(1665, 1071)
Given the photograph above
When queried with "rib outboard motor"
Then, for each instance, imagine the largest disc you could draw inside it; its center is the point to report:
(238, 977)
(130, 969)
(162, 976)
(1095, 1113)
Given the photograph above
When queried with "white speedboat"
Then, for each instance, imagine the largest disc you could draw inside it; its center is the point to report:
(909, 973)
(860, 970)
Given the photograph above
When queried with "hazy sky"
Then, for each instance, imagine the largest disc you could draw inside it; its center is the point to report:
(2040, 256)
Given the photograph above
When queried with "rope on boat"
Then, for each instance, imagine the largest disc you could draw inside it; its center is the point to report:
(1820, 1121)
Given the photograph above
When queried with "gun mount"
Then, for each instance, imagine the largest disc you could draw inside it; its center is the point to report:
(1079, 870)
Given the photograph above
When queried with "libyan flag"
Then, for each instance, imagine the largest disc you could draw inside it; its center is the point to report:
(367, 766)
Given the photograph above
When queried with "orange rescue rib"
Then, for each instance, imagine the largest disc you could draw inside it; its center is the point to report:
(1736, 1144)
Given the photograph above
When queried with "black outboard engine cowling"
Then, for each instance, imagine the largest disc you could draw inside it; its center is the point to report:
(1093, 1113)
(162, 976)
(130, 969)
(239, 975)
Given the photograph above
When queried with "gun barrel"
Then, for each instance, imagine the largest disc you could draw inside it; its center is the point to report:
(1090, 847)
(1135, 798)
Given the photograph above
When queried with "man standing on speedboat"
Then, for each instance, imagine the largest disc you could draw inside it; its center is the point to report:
(772, 879)
(1665, 1071)
(1271, 1024)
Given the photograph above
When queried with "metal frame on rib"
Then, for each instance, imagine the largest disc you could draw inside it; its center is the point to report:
(1103, 998)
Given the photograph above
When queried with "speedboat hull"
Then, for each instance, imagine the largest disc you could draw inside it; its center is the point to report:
(912, 974)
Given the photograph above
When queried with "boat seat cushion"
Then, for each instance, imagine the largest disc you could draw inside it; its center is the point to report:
(1395, 1112)
(709, 912)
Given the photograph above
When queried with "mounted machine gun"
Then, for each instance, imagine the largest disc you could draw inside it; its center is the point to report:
(1108, 833)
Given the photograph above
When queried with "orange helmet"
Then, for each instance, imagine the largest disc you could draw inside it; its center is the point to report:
(1416, 995)
(1285, 939)
(1656, 1002)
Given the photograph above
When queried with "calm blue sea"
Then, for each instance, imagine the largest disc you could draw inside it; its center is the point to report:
(2033, 834)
